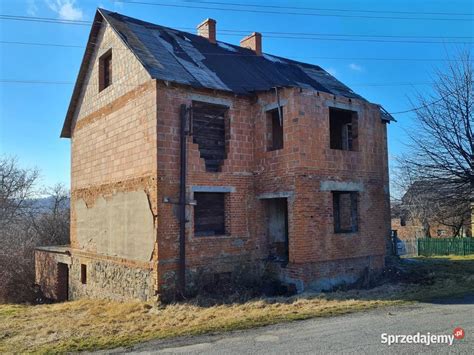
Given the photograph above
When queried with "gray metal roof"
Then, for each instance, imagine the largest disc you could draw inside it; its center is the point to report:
(188, 59)
(184, 58)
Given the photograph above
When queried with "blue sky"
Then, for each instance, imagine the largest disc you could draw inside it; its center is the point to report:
(31, 115)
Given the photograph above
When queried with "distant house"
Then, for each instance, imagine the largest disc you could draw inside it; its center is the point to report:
(426, 210)
(196, 161)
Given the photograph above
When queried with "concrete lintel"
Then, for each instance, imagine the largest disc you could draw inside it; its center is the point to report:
(60, 254)
(343, 106)
(222, 189)
(281, 194)
(211, 100)
(59, 249)
(341, 186)
(274, 105)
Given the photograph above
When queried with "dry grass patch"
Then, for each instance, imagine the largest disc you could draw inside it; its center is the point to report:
(89, 324)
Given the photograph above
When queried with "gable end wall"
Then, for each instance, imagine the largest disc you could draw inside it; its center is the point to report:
(114, 179)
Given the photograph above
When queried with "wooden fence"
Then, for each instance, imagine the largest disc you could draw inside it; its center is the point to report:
(445, 246)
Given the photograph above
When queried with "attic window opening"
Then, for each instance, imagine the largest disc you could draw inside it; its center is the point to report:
(211, 132)
(343, 129)
(345, 211)
(105, 70)
(210, 213)
(274, 129)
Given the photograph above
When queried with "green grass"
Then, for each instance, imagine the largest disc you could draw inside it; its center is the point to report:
(8, 310)
(90, 325)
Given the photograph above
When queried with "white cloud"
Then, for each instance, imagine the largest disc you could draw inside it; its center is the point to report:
(355, 67)
(118, 5)
(66, 9)
(31, 7)
(332, 71)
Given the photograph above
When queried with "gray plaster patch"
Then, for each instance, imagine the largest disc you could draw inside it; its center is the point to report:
(341, 186)
(213, 189)
(274, 105)
(120, 226)
(281, 194)
(211, 100)
(343, 106)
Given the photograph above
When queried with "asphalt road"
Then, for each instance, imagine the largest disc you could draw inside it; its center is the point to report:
(356, 333)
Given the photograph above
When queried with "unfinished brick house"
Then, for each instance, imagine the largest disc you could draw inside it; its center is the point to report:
(195, 161)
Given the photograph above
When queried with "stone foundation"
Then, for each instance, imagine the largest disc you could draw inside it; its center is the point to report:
(65, 275)
(107, 279)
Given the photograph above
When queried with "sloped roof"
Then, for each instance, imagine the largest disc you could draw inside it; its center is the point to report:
(184, 58)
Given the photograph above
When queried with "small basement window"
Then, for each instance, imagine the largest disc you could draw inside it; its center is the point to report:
(209, 213)
(345, 211)
(342, 129)
(274, 130)
(83, 274)
(105, 70)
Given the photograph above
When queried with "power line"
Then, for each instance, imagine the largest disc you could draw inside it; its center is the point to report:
(340, 34)
(368, 40)
(327, 9)
(48, 82)
(419, 107)
(235, 32)
(289, 36)
(44, 44)
(290, 13)
(44, 19)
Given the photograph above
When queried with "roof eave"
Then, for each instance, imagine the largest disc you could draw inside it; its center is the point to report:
(96, 25)
(385, 115)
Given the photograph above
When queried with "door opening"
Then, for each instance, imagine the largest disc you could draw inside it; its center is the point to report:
(277, 229)
(62, 282)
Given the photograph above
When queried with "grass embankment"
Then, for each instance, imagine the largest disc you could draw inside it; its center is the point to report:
(88, 324)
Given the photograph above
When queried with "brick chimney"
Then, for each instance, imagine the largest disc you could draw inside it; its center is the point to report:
(253, 42)
(207, 29)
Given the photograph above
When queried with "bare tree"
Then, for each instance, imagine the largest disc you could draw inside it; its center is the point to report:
(29, 218)
(441, 153)
(16, 190)
(51, 221)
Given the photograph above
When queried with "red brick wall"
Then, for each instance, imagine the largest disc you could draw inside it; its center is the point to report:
(46, 273)
(52, 273)
(214, 252)
(413, 229)
(126, 138)
(299, 167)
